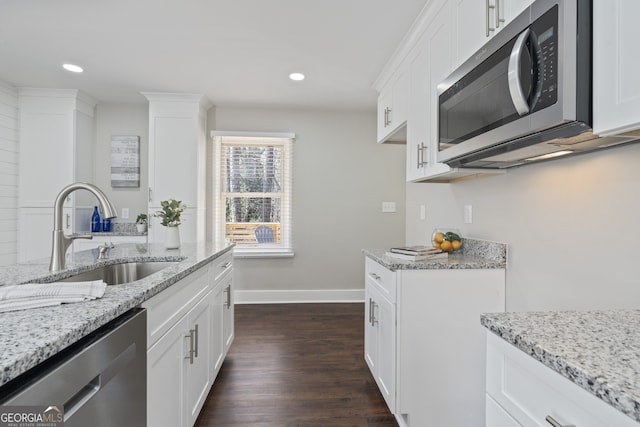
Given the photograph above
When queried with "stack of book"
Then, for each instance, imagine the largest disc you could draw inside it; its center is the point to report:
(417, 253)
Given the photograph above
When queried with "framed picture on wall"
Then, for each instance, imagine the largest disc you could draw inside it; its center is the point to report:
(125, 161)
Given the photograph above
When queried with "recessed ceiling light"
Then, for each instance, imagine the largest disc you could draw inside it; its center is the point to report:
(73, 68)
(296, 76)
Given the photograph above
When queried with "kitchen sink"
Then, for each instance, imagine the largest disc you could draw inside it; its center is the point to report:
(124, 272)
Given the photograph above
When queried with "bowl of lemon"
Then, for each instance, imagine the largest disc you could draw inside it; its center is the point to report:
(447, 240)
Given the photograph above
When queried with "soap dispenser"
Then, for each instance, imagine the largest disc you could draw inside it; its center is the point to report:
(95, 221)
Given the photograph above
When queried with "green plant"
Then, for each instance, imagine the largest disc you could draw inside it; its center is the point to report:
(170, 213)
(142, 219)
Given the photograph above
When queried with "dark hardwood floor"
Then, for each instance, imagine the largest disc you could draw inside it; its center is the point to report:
(296, 365)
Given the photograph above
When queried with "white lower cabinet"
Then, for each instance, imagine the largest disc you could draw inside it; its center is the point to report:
(223, 313)
(189, 332)
(522, 392)
(424, 340)
(380, 337)
(166, 378)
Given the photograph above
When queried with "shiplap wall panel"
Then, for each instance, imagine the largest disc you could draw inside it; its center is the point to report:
(9, 147)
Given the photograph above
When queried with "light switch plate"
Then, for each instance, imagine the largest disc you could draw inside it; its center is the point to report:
(388, 206)
(468, 214)
(125, 213)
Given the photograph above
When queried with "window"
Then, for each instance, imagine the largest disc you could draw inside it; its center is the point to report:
(253, 192)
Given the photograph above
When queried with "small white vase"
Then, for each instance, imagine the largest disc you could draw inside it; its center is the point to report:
(142, 228)
(172, 237)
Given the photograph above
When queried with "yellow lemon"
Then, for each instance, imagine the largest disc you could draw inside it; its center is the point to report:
(438, 237)
(446, 246)
(436, 245)
(456, 245)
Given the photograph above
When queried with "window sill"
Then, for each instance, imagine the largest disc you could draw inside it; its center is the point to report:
(262, 253)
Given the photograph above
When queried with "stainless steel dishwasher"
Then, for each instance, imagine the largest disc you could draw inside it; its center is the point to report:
(100, 380)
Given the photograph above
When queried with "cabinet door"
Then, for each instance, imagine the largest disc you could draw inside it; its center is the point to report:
(370, 332)
(470, 23)
(222, 333)
(384, 318)
(476, 21)
(199, 376)
(400, 98)
(616, 86)
(217, 328)
(393, 105)
(440, 65)
(441, 345)
(228, 314)
(380, 343)
(417, 126)
(166, 371)
(385, 100)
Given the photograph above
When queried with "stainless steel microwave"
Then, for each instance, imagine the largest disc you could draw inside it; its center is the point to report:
(525, 95)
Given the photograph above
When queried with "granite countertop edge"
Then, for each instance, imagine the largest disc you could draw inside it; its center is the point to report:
(23, 347)
(595, 376)
(475, 254)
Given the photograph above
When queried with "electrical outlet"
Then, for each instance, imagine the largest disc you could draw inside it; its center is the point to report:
(125, 213)
(423, 211)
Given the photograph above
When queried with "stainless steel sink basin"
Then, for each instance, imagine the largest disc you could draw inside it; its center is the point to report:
(125, 272)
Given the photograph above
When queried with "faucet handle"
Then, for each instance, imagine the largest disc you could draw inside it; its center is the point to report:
(79, 236)
(102, 250)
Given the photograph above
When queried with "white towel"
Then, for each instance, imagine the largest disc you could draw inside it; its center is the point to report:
(33, 295)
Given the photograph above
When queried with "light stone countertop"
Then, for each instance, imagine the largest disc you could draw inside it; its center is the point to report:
(475, 254)
(597, 350)
(28, 337)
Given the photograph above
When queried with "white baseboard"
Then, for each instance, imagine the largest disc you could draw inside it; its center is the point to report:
(298, 296)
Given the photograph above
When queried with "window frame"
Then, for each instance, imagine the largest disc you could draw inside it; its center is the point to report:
(258, 250)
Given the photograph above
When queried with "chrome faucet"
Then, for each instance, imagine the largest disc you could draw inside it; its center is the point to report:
(61, 242)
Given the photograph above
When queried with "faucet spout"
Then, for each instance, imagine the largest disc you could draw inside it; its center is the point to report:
(61, 242)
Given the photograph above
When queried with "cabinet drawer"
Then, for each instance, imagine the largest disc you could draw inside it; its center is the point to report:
(166, 308)
(220, 266)
(529, 391)
(382, 278)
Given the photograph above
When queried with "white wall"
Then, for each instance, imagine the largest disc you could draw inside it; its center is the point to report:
(341, 177)
(9, 138)
(122, 119)
(571, 226)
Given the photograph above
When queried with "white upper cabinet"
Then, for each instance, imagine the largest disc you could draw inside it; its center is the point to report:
(392, 106)
(177, 154)
(430, 61)
(57, 140)
(476, 21)
(616, 86)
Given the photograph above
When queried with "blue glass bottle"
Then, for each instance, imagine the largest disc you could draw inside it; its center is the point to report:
(106, 225)
(95, 221)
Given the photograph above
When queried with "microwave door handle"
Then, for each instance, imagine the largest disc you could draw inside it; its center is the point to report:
(515, 85)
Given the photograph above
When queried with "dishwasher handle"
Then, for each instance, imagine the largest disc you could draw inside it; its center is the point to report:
(119, 363)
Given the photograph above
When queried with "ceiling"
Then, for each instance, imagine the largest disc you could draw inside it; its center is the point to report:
(236, 52)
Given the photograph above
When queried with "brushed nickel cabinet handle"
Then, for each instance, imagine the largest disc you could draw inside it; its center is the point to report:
(374, 320)
(488, 8)
(554, 423)
(195, 353)
(499, 19)
(191, 346)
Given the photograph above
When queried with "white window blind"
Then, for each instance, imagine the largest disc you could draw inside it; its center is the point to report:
(253, 200)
